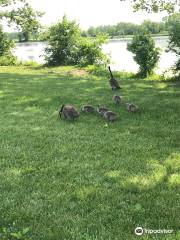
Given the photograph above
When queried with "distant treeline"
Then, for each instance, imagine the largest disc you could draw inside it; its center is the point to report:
(113, 31)
(19, 36)
(124, 29)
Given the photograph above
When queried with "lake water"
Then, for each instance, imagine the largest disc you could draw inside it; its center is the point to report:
(122, 59)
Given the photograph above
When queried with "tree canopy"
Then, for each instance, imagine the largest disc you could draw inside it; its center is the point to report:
(173, 24)
(5, 3)
(25, 18)
(155, 5)
(66, 46)
(125, 28)
(146, 54)
(6, 46)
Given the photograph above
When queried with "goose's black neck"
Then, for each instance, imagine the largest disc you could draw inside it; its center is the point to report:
(110, 72)
(62, 108)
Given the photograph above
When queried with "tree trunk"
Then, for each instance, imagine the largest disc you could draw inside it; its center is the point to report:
(20, 37)
(26, 36)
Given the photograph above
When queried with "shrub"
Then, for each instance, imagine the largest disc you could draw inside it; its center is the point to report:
(173, 24)
(8, 60)
(146, 54)
(90, 51)
(6, 45)
(66, 46)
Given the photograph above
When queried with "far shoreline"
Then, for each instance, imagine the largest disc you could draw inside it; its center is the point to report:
(125, 38)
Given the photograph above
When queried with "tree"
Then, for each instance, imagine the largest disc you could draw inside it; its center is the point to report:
(25, 19)
(173, 25)
(90, 51)
(62, 43)
(125, 28)
(66, 46)
(153, 27)
(5, 3)
(145, 53)
(6, 45)
(155, 5)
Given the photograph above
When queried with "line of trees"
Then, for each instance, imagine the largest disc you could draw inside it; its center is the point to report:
(124, 29)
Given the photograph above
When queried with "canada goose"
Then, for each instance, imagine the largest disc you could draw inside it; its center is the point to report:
(68, 112)
(110, 116)
(88, 109)
(101, 110)
(113, 82)
(131, 107)
(117, 99)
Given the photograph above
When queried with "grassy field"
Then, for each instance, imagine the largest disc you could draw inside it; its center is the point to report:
(88, 179)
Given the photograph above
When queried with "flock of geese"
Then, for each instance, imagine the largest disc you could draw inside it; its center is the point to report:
(69, 112)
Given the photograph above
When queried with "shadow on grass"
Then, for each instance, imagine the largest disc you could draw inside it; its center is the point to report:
(99, 179)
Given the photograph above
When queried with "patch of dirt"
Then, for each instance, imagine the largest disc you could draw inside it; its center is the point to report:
(78, 72)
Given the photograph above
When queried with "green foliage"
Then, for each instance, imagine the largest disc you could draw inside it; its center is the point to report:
(8, 60)
(63, 41)
(5, 3)
(155, 5)
(67, 46)
(23, 16)
(26, 20)
(173, 23)
(153, 27)
(90, 51)
(113, 30)
(6, 45)
(123, 29)
(101, 71)
(145, 53)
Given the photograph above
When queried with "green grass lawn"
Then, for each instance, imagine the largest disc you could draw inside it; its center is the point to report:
(88, 179)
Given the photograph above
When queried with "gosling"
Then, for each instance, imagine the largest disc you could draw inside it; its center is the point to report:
(68, 112)
(102, 110)
(117, 99)
(110, 116)
(132, 107)
(88, 109)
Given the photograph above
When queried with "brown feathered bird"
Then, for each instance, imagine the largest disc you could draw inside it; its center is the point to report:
(110, 116)
(88, 109)
(132, 107)
(117, 99)
(68, 112)
(113, 82)
(101, 110)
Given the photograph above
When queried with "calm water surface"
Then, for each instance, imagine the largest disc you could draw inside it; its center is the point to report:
(122, 59)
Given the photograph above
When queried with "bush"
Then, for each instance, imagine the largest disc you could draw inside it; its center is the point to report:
(173, 24)
(67, 46)
(8, 60)
(90, 52)
(146, 54)
(6, 45)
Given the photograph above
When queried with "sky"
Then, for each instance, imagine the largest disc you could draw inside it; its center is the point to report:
(91, 12)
